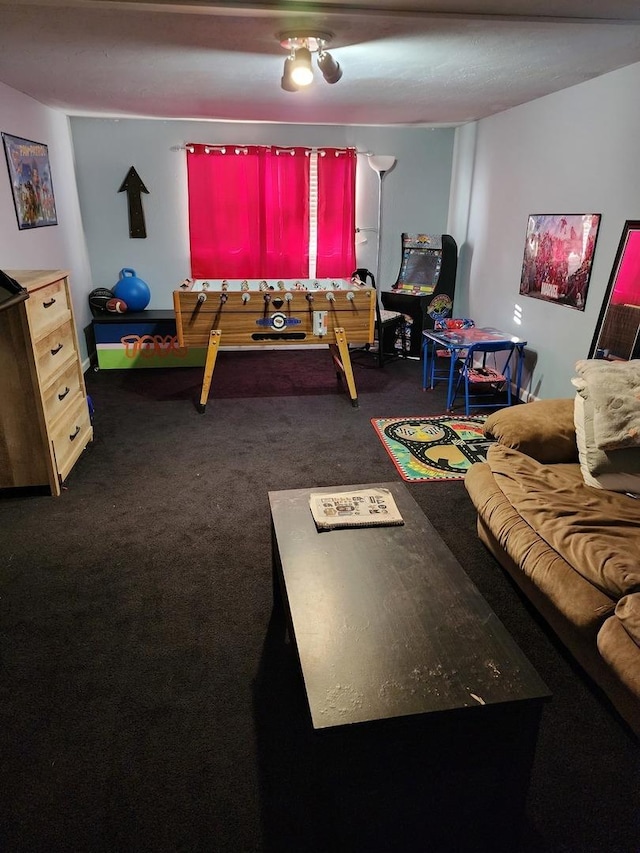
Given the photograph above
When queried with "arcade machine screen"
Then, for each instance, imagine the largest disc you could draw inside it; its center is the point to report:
(420, 271)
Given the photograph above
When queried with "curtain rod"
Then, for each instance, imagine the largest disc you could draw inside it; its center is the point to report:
(280, 147)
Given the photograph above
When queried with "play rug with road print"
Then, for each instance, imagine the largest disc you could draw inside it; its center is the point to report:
(442, 447)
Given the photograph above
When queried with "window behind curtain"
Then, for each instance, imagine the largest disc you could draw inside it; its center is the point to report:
(336, 255)
(252, 210)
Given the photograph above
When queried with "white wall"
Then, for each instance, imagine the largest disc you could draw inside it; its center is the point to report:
(58, 246)
(416, 191)
(575, 151)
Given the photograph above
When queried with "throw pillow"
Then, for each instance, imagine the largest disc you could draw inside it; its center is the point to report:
(543, 430)
(615, 470)
(614, 388)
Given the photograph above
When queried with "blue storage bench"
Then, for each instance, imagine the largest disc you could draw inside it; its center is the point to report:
(142, 339)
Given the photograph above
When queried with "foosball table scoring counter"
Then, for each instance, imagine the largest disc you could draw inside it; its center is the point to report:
(270, 313)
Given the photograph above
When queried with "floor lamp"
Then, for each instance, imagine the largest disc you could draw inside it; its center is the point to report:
(380, 163)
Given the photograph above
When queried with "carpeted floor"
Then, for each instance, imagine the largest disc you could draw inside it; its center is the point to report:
(147, 706)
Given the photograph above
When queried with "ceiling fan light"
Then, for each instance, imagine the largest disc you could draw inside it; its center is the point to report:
(287, 82)
(331, 70)
(301, 70)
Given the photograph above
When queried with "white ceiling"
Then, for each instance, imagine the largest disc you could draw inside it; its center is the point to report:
(409, 62)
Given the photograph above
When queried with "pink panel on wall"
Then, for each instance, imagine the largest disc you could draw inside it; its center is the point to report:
(627, 286)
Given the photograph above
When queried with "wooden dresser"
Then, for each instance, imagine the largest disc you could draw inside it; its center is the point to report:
(44, 414)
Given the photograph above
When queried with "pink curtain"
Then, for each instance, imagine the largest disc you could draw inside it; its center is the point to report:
(249, 211)
(336, 213)
(224, 227)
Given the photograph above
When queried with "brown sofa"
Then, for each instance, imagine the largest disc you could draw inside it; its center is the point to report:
(573, 549)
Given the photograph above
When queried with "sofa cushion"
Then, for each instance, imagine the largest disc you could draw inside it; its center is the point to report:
(581, 603)
(616, 470)
(543, 429)
(596, 532)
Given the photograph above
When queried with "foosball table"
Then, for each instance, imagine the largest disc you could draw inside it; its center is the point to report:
(275, 313)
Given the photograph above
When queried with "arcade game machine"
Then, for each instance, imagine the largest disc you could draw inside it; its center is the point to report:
(426, 283)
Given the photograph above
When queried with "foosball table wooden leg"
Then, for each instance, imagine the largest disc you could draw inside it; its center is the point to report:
(212, 352)
(344, 363)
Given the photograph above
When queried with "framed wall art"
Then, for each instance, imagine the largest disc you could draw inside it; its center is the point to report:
(617, 334)
(31, 184)
(558, 255)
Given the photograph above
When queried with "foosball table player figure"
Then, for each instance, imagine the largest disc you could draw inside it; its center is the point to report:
(293, 313)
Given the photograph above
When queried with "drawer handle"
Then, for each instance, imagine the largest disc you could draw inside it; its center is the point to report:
(49, 304)
(73, 435)
(64, 393)
(57, 349)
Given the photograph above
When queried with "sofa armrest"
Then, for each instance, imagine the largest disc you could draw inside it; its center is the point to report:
(543, 429)
(618, 644)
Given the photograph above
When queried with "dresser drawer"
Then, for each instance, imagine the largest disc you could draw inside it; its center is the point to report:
(54, 351)
(62, 392)
(71, 435)
(48, 307)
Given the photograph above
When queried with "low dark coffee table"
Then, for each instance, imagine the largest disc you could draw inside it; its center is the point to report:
(426, 704)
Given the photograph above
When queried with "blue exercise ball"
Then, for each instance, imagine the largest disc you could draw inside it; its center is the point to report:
(133, 291)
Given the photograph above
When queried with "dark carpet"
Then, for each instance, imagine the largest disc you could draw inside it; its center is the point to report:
(145, 705)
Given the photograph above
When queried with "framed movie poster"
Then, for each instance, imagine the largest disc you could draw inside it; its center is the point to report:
(31, 184)
(558, 255)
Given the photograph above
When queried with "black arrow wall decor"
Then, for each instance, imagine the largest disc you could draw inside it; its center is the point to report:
(134, 187)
